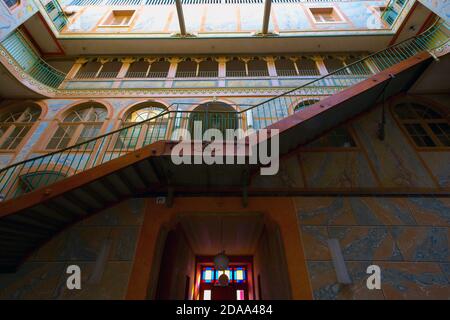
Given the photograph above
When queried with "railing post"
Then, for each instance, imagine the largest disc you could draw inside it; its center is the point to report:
(249, 119)
(76, 67)
(172, 70)
(222, 70)
(126, 63)
(320, 65)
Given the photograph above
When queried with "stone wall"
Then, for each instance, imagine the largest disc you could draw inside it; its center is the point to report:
(103, 246)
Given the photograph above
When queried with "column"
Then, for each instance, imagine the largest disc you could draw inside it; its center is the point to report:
(172, 70)
(222, 72)
(320, 65)
(76, 67)
(126, 63)
(272, 70)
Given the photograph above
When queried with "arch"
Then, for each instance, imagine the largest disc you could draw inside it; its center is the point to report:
(307, 67)
(34, 180)
(359, 68)
(235, 68)
(159, 69)
(186, 69)
(208, 68)
(257, 67)
(16, 124)
(79, 123)
(136, 136)
(110, 69)
(425, 126)
(272, 215)
(213, 115)
(138, 69)
(332, 63)
(39, 173)
(88, 70)
(285, 67)
(304, 103)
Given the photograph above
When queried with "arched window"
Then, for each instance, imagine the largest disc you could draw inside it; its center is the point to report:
(186, 69)
(213, 115)
(307, 67)
(140, 135)
(159, 69)
(285, 67)
(258, 68)
(11, 3)
(333, 64)
(80, 124)
(208, 68)
(34, 180)
(15, 125)
(305, 103)
(138, 69)
(88, 70)
(425, 126)
(235, 68)
(359, 68)
(110, 69)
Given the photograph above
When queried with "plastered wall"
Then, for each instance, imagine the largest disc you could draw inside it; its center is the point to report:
(285, 17)
(407, 236)
(103, 246)
(10, 19)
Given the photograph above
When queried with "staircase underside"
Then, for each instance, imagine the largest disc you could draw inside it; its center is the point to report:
(34, 218)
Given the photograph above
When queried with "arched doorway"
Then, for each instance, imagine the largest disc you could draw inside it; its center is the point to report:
(212, 115)
(250, 240)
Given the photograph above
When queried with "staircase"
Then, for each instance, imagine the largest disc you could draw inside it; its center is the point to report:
(43, 195)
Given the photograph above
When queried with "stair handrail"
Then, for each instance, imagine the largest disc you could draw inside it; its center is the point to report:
(434, 28)
(251, 106)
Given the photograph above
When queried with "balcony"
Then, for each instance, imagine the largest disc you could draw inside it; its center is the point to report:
(207, 72)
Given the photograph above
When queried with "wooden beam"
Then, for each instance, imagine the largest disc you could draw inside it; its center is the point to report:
(266, 18)
(180, 17)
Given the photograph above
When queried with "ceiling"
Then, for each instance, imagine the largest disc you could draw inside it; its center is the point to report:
(209, 234)
(144, 44)
(435, 78)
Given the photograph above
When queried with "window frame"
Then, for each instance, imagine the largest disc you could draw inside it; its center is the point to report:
(424, 123)
(141, 137)
(103, 23)
(79, 127)
(16, 124)
(14, 7)
(334, 10)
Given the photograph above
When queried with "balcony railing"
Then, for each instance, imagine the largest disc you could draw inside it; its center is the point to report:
(30, 62)
(301, 72)
(98, 150)
(393, 10)
(55, 13)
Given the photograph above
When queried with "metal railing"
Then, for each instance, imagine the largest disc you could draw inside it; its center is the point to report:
(55, 13)
(30, 62)
(393, 10)
(301, 73)
(95, 151)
